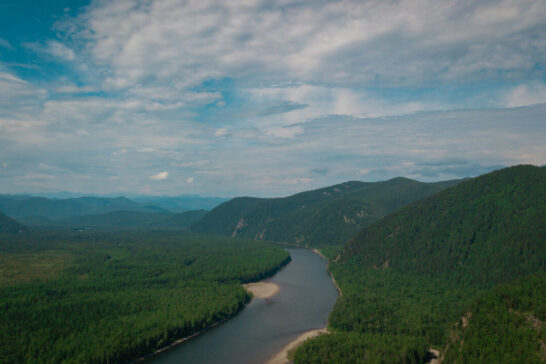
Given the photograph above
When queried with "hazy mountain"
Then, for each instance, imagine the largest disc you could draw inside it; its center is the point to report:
(182, 203)
(133, 219)
(326, 216)
(20, 206)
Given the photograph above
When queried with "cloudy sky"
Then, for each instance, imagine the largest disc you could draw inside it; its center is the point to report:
(265, 97)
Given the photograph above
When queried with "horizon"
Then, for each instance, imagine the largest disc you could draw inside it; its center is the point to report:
(131, 196)
(171, 98)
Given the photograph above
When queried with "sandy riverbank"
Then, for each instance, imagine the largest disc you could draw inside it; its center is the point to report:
(262, 289)
(282, 356)
(319, 253)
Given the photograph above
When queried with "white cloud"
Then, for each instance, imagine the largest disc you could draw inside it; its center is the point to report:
(349, 42)
(60, 50)
(190, 180)
(160, 176)
(74, 89)
(221, 132)
(527, 94)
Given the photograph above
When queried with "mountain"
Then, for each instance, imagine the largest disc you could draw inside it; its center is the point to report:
(323, 217)
(181, 203)
(8, 225)
(125, 219)
(25, 206)
(417, 271)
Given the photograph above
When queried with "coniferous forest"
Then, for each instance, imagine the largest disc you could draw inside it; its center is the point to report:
(114, 296)
(440, 261)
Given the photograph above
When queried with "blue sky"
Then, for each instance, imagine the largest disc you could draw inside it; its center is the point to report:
(265, 98)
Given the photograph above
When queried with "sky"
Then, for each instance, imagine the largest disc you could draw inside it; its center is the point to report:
(265, 98)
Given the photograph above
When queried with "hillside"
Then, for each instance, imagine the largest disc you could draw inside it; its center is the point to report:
(181, 203)
(123, 219)
(417, 271)
(323, 217)
(25, 206)
(8, 225)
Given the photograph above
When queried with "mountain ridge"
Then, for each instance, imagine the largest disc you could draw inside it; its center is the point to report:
(322, 217)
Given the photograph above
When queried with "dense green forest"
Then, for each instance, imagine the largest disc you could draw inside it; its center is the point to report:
(323, 218)
(101, 296)
(505, 325)
(121, 219)
(356, 348)
(415, 272)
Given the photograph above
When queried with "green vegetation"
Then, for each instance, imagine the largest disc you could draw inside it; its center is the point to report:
(322, 218)
(415, 272)
(123, 219)
(8, 225)
(113, 297)
(506, 325)
(343, 347)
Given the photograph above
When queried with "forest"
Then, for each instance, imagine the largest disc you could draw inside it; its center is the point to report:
(325, 218)
(416, 272)
(115, 296)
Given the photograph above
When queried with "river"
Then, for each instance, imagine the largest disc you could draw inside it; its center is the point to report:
(265, 326)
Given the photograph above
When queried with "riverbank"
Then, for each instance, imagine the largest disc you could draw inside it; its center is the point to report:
(186, 338)
(316, 251)
(282, 356)
(258, 289)
(262, 289)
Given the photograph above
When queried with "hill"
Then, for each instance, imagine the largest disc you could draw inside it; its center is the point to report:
(417, 271)
(121, 219)
(8, 225)
(24, 206)
(181, 203)
(318, 218)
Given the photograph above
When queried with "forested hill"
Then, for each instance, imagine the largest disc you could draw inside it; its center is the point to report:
(483, 231)
(122, 219)
(8, 225)
(327, 216)
(418, 271)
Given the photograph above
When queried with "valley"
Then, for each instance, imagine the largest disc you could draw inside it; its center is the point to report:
(429, 266)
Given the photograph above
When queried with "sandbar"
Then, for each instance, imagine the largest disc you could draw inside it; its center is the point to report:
(262, 289)
(282, 356)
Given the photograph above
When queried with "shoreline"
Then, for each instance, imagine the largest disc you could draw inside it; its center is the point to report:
(260, 284)
(262, 289)
(186, 338)
(282, 356)
(316, 251)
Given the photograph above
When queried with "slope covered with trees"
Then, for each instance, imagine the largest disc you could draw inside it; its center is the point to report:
(110, 297)
(415, 272)
(505, 325)
(8, 225)
(122, 219)
(318, 218)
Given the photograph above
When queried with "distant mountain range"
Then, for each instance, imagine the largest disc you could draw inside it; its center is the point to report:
(322, 217)
(37, 210)
(121, 219)
(181, 203)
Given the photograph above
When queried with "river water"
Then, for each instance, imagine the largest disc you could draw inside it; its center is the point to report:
(265, 326)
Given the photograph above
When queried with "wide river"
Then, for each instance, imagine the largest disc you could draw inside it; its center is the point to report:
(265, 326)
